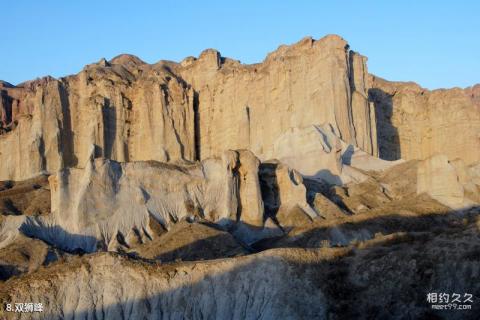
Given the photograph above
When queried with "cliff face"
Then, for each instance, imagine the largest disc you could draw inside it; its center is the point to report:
(270, 169)
(193, 110)
(130, 111)
(415, 123)
(250, 106)
(201, 107)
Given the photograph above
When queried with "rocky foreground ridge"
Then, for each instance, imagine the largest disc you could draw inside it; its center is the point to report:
(313, 188)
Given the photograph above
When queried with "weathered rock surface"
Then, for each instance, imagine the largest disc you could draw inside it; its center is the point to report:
(26, 255)
(30, 197)
(318, 153)
(129, 111)
(190, 241)
(270, 171)
(446, 181)
(311, 82)
(133, 111)
(415, 123)
(109, 204)
(285, 195)
(94, 206)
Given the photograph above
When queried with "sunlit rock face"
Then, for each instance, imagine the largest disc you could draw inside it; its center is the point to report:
(308, 83)
(313, 189)
(133, 111)
(128, 114)
(108, 203)
(415, 123)
(92, 207)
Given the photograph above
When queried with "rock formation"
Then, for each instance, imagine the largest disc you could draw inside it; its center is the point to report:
(133, 111)
(127, 114)
(314, 189)
(108, 203)
(446, 181)
(415, 123)
(309, 83)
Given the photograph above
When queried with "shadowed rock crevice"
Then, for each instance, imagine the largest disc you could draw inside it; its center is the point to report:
(67, 135)
(388, 139)
(197, 122)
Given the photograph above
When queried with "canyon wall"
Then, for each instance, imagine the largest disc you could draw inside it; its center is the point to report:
(200, 107)
(128, 115)
(191, 110)
(309, 83)
(415, 123)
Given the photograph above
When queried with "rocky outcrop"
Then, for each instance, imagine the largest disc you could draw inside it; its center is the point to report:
(315, 151)
(318, 153)
(30, 197)
(31, 122)
(447, 181)
(415, 123)
(200, 107)
(26, 255)
(94, 207)
(284, 195)
(309, 83)
(270, 171)
(129, 111)
(132, 111)
(190, 240)
(223, 289)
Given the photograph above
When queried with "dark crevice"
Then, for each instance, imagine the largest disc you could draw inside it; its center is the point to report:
(196, 124)
(67, 135)
(387, 134)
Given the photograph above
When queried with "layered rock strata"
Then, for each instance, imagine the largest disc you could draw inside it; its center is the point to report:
(415, 123)
(133, 111)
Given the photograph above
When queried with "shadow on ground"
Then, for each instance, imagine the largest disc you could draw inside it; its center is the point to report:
(384, 277)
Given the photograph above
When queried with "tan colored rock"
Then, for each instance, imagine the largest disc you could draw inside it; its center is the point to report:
(301, 279)
(317, 153)
(250, 196)
(308, 83)
(415, 123)
(314, 151)
(326, 208)
(438, 177)
(285, 195)
(198, 240)
(133, 111)
(29, 197)
(26, 255)
(129, 111)
(95, 206)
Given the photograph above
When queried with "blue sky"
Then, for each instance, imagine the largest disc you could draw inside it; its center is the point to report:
(434, 43)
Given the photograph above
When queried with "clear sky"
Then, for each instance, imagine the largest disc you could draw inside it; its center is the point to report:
(434, 43)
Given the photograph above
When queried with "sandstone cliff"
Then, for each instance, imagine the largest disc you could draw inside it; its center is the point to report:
(202, 106)
(415, 123)
(129, 111)
(269, 170)
(250, 106)
(192, 110)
